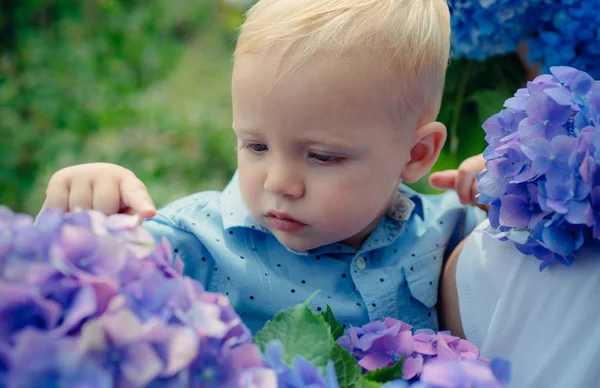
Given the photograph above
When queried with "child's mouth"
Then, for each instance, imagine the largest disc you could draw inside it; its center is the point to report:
(284, 222)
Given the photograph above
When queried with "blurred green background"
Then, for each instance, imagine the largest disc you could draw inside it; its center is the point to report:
(145, 84)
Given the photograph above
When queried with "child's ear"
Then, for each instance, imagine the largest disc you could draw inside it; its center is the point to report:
(428, 142)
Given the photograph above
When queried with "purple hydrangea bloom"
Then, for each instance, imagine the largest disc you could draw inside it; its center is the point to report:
(541, 184)
(382, 344)
(444, 373)
(39, 359)
(443, 345)
(89, 299)
(458, 374)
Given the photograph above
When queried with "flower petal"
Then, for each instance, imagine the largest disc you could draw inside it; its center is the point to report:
(373, 361)
(513, 212)
(412, 366)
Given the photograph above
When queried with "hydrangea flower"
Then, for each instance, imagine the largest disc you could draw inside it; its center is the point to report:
(39, 359)
(557, 32)
(567, 34)
(92, 299)
(542, 162)
(440, 373)
(444, 373)
(383, 344)
(483, 28)
(301, 374)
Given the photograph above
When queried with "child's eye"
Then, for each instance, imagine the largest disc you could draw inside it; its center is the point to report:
(257, 147)
(326, 159)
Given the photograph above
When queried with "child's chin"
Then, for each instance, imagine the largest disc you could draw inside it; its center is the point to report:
(295, 245)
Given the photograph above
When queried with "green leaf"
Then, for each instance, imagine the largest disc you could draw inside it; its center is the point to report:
(301, 332)
(347, 370)
(337, 330)
(364, 383)
(383, 375)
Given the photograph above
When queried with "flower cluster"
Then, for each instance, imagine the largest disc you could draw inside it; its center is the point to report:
(557, 32)
(567, 34)
(484, 28)
(88, 299)
(429, 357)
(542, 178)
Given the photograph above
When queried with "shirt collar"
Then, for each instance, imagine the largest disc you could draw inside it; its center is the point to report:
(403, 194)
(405, 203)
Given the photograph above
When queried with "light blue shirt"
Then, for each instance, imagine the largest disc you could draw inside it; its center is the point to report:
(395, 273)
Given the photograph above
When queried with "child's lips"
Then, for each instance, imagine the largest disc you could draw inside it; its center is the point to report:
(284, 222)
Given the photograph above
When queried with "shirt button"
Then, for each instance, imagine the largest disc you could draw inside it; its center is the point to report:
(360, 263)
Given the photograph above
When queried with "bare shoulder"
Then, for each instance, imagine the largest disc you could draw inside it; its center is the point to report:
(448, 304)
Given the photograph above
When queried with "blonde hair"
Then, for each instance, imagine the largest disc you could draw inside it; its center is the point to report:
(411, 37)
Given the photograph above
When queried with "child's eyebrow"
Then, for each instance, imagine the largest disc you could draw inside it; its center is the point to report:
(245, 131)
(329, 141)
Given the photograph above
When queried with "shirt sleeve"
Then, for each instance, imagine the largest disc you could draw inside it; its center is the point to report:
(198, 262)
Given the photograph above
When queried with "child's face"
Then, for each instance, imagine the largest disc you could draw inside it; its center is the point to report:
(320, 152)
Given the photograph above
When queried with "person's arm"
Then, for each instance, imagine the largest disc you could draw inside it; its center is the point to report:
(449, 311)
(464, 181)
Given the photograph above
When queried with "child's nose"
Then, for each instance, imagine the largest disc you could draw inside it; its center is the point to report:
(284, 182)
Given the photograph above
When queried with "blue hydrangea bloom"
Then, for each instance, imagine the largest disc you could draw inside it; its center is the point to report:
(542, 174)
(484, 28)
(567, 34)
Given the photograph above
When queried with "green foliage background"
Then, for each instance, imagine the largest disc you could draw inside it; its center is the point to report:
(145, 84)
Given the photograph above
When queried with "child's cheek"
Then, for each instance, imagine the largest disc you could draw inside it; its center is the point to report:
(251, 184)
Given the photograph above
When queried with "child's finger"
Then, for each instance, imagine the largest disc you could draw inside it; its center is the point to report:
(57, 195)
(106, 196)
(80, 195)
(467, 177)
(135, 196)
(464, 186)
(443, 180)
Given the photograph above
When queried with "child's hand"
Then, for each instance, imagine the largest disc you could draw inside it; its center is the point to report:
(100, 186)
(463, 180)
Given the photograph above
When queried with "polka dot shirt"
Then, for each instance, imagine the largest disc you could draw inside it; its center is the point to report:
(395, 273)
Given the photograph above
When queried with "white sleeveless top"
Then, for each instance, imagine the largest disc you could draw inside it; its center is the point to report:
(547, 324)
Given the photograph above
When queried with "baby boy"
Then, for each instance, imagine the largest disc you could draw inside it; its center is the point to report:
(334, 107)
